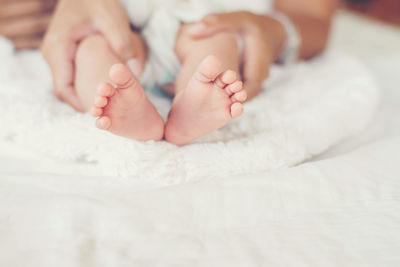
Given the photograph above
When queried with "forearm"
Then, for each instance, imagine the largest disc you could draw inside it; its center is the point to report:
(314, 34)
(312, 20)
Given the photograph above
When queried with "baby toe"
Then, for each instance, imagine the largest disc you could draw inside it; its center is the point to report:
(226, 78)
(103, 123)
(239, 96)
(236, 110)
(96, 111)
(229, 77)
(208, 69)
(106, 90)
(234, 87)
(100, 101)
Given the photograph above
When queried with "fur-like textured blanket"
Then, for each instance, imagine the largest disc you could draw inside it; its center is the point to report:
(303, 110)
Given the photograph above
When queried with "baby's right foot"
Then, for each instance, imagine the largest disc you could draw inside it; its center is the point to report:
(125, 110)
(210, 100)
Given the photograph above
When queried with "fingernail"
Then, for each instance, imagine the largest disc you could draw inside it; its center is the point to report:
(134, 65)
(197, 28)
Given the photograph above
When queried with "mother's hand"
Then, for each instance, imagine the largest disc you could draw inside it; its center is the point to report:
(73, 21)
(25, 21)
(263, 38)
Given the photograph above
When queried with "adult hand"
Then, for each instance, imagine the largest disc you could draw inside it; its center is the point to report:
(25, 21)
(73, 21)
(263, 39)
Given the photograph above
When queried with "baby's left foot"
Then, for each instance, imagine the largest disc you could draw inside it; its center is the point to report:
(210, 100)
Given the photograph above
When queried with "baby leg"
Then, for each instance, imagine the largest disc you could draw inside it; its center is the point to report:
(122, 108)
(208, 90)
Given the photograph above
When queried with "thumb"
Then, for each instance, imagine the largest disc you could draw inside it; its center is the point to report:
(126, 45)
(138, 48)
(214, 23)
(118, 35)
(121, 43)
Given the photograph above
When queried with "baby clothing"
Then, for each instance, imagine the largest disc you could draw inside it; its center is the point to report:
(160, 21)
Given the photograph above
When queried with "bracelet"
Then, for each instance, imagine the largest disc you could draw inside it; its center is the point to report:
(290, 51)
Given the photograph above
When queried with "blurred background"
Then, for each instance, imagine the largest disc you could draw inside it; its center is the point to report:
(385, 10)
(21, 18)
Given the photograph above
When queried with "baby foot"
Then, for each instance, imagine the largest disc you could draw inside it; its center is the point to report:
(124, 109)
(210, 100)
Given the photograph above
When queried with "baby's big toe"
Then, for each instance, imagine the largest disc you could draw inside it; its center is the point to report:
(121, 76)
(208, 69)
(229, 76)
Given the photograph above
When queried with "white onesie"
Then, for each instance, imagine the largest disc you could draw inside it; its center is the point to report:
(160, 21)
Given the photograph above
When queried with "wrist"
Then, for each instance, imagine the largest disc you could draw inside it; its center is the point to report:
(275, 35)
(289, 49)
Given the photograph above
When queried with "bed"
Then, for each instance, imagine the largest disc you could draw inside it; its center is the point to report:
(339, 208)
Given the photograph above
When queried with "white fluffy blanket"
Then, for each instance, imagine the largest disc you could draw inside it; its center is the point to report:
(302, 111)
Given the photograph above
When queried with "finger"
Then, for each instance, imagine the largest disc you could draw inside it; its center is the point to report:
(256, 64)
(137, 64)
(18, 8)
(118, 34)
(69, 96)
(30, 25)
(213, 23)
(59, 52)
(29, 42)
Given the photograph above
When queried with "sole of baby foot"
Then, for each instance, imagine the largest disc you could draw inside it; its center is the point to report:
(210, 100)
(124, 109)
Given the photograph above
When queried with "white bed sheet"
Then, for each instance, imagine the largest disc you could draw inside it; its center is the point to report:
(340, 209)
